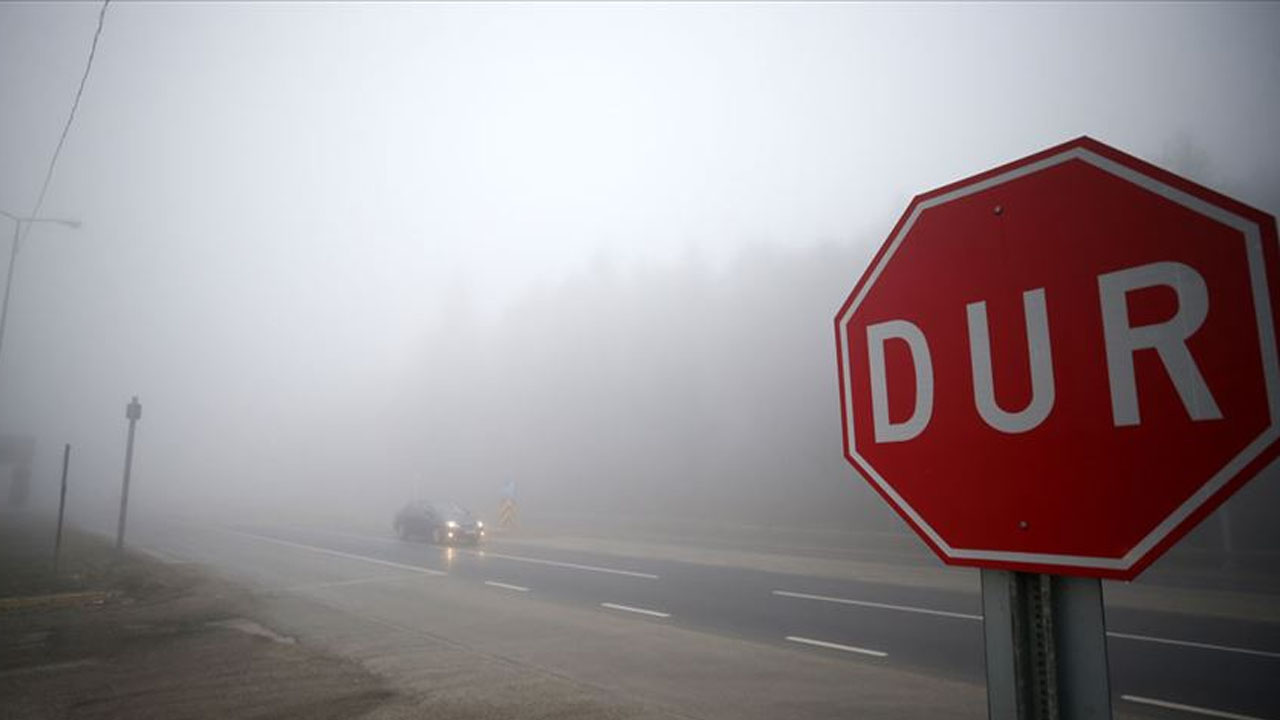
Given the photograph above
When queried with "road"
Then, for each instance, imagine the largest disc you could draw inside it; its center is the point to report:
(1162, 664)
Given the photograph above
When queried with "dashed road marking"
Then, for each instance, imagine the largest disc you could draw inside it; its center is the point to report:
(1199, 645)
(336, 553)
(517, 558)
(836, 646)
(505, 586)
(640, 611)
(572, 566)
(1207, 712)
(882, 606)
(967, 616)
(303, 587)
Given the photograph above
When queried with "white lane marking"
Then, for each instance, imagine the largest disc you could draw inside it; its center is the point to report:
(505, 586)
(517, 558)
(641, 611)
(336, 553)
(965, 616)
(574, 566)
(51, 667)
(1188, 643)
(161, 557)
(836, 646)
(883, 606)
(1207, 712)
(345, 583)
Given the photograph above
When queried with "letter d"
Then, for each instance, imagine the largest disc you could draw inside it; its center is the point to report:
(887, 431)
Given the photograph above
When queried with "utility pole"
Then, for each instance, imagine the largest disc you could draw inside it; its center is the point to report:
(62, 504)
(133, 411)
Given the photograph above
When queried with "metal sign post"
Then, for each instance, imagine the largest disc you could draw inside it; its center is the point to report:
(62, 504)
(134, 412)
(1046, 647)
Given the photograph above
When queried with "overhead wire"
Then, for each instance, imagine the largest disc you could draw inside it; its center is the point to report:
(71, 116)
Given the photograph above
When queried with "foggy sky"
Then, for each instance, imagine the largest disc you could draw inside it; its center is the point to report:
(308, 228)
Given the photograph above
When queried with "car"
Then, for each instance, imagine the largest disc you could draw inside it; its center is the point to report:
(442, 523)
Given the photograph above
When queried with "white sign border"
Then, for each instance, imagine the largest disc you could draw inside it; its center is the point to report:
(1266, 335)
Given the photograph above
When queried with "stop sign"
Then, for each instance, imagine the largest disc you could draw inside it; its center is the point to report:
(1063, 364)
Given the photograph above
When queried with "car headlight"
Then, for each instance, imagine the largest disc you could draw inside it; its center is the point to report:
(480, 524)
(451, 524)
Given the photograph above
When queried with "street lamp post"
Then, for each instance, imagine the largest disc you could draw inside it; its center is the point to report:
(18, 223)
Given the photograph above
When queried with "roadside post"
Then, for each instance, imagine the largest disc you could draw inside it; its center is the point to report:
(1053, 370)
(62, 504)
(133, 411)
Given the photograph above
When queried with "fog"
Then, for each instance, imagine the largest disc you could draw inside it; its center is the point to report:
(347, 255)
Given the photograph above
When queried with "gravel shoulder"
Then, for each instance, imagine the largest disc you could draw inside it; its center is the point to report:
(115, 636)
(141, 636)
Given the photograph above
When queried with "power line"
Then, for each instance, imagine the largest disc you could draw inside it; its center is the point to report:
(57, 150)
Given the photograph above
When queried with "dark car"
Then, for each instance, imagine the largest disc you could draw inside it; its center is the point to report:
(441, 523)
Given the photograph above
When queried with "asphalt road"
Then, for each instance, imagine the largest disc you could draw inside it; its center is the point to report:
(1162, 664)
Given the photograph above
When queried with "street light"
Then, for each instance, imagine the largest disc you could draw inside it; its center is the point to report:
(18, 222)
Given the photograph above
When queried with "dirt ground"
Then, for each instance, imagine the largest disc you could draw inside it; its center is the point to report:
(138, 636)
(123, 636)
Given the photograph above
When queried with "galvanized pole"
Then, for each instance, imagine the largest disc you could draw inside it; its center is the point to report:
(133, 411)
(62, 504)
(1081, 638)
(1046, 651)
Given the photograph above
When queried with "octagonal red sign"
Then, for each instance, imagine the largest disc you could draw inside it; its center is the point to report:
(1063, 364)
